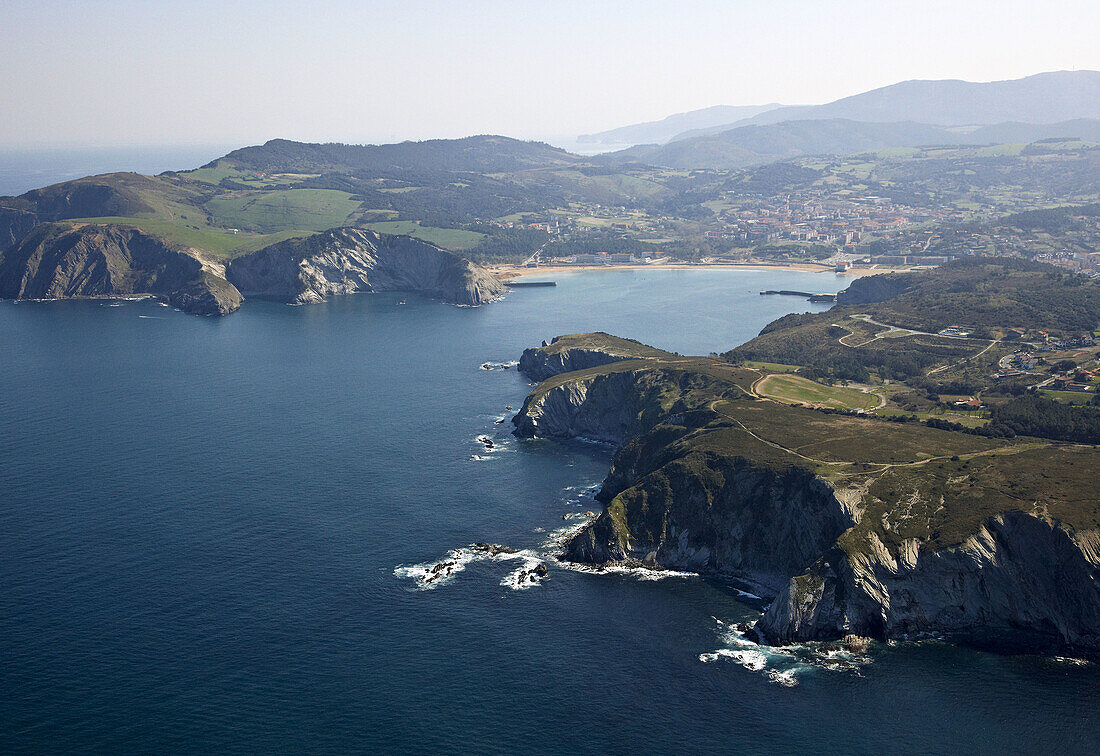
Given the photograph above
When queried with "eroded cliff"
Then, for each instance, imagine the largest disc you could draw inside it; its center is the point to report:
(56, 261)
(565, 354)
(350, 260)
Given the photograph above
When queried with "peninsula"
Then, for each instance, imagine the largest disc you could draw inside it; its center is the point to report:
(851, 514)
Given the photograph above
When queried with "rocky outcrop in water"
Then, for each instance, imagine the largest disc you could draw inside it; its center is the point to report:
(350, 260)
(59, 261)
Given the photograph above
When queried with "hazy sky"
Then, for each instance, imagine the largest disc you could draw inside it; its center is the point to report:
(232, 71)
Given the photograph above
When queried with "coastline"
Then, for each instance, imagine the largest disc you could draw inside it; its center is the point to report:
(510, 272)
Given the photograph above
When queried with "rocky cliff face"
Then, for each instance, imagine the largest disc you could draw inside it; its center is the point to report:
(538, 364)
(349, 260)
(601, 408)
(14, 225)
(565, 354)
(718, 515)
(872, 289)
(1020, 580)
(56, 261)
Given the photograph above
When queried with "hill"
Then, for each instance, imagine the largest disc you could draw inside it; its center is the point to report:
(760, 144)
(1043, 98)
(661, 131)
(888, 325)
(476, 154)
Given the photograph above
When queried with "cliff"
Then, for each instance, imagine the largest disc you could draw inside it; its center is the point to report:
(349, 260)
(853, 525)
(1026, 576)
(580, 351)
(58, 261)
(14, 225)
(873, 289)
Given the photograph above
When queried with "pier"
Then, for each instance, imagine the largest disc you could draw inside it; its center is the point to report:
(808, 295)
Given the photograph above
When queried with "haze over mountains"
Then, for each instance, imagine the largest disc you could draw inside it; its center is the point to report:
(659, 132)
(1050, 105)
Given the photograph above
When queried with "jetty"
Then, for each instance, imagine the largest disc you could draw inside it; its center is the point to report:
(806, 294)
(518, 284)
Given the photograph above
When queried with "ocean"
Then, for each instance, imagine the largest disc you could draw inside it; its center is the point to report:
(211, 530)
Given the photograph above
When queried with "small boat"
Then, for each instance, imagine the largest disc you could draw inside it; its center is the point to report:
(401, 302)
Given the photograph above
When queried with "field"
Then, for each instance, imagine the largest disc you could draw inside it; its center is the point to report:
(448, 238)
(219, 242)
(793, 389)
(287, 210)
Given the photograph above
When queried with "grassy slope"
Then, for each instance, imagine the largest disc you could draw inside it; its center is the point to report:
(217, 241)
(283, 210)
(449, 238)
(916, 482)
(605, 342)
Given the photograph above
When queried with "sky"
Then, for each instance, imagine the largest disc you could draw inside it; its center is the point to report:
(106, 73)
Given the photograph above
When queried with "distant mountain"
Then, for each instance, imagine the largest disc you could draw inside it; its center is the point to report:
(1043, 98)
(479, 154)
(659, 132)
(759, 144)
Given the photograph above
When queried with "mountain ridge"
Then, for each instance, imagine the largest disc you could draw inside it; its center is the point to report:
(1047, 97)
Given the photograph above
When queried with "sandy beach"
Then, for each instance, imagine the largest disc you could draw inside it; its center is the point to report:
(509, 272)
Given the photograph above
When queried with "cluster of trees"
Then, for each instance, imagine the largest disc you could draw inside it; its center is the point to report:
(505, 244)
(1036, 415)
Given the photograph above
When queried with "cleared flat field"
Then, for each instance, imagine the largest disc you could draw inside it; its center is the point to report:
(287, 210)
(448, 238)
(793, 389)
(217, 241)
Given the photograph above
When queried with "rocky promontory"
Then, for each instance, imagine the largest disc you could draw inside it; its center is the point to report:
(350, 260)
(56, 261)
(838, 520)
(579, 351)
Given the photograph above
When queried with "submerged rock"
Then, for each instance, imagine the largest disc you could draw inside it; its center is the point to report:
(493, 549)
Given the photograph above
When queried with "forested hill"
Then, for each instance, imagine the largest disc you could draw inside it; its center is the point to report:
(989, 293)
(476, 154)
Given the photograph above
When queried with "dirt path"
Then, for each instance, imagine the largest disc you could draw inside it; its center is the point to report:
(880, 466)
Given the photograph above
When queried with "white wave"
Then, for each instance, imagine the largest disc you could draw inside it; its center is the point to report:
(746, 594)
(499, 365)
(787, 678)
(429, 575)
(635, 571)
(523, 577)
(781, 666)
(1072, 661)
(595, 441)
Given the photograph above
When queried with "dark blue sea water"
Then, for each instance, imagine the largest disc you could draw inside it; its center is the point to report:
(200, 521)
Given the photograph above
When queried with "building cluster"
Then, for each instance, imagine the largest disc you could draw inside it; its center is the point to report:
(816, 217)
